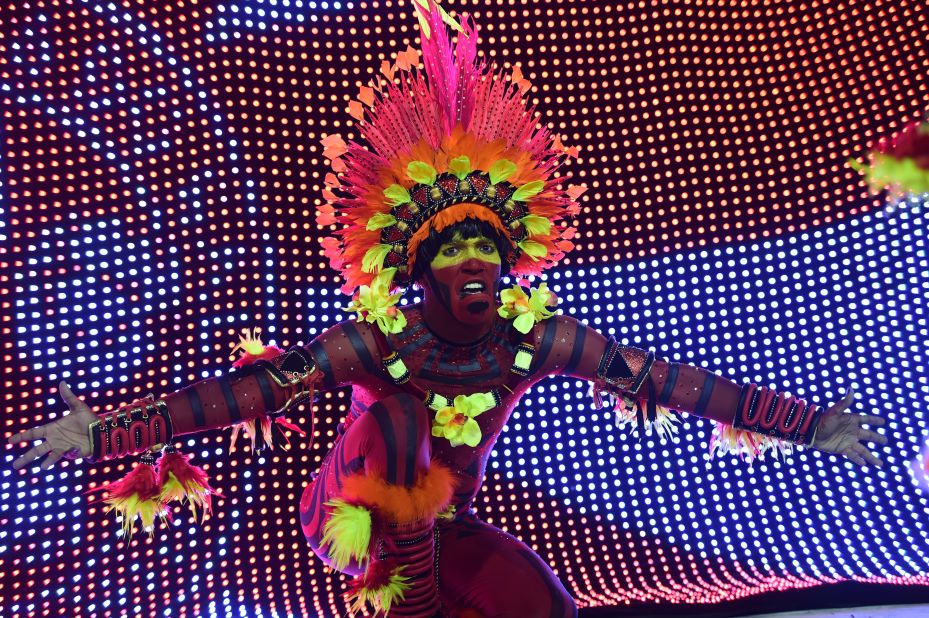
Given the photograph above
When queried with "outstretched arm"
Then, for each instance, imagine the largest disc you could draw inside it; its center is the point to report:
(339, 356)
(692, 389)
(570, 348)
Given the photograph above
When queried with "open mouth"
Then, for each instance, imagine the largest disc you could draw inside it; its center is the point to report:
(472, 288)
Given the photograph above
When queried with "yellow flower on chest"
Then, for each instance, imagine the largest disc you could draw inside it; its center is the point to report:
(456, 422)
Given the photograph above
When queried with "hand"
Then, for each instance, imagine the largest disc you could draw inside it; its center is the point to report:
(841, 432)
(67, 437)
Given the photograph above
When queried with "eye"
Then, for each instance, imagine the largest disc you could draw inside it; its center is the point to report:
(450, 251)
(487, 248)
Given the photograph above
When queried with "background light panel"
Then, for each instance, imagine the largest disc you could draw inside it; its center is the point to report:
(160, 165)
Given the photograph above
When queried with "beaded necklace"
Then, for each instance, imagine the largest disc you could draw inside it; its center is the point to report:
(461, 407)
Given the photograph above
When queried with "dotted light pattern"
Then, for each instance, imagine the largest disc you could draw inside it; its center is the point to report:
(813, 313)
(159, 168)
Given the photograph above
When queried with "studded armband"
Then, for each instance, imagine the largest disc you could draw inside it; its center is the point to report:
(767, 412)
(131, 430)
(295, 371)
(623, 368)
(622, 373)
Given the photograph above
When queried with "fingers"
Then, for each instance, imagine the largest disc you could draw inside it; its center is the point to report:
(872, 459)
(28, 435)
(51, 460)
(32, 454)
(846, 401)
(870, 419)
(68, 396)
(871, 436)
(866, 456)
(855, 457)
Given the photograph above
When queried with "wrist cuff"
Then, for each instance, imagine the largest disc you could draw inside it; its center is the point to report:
(294, 371)
(767, 412)
(132, 429)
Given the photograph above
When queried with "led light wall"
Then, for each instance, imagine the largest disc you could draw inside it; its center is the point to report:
(160, 164)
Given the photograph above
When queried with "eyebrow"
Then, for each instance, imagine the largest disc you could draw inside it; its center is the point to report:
(474, 241)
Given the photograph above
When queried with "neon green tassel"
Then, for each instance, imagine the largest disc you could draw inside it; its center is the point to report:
(383, 597)
(347, 533)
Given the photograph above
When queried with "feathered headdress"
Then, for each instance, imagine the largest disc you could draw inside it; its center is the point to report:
(454, 141)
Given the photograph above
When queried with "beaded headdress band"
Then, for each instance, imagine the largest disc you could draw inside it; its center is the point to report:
(451, 142)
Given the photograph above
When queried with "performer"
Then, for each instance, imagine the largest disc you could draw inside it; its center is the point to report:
(456, 188)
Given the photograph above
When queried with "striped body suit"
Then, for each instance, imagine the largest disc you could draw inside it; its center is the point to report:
(388, 433)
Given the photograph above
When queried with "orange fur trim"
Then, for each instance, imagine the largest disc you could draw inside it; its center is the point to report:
(399, 504)
(447, 218)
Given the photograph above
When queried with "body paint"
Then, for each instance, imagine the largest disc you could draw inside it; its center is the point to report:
(461, 289)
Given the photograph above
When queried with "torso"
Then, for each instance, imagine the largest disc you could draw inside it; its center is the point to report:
(452, 369)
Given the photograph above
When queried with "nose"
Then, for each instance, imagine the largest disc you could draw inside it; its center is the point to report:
(473, 266)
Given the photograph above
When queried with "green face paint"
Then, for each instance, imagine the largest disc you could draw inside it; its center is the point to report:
(458, 251)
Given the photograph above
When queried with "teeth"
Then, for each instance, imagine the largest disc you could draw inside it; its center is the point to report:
(473, 287)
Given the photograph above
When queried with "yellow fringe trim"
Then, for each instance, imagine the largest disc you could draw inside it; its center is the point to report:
(195, 494)
(665, 423)
(727, 439)
(249, 430)
(132, 507)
